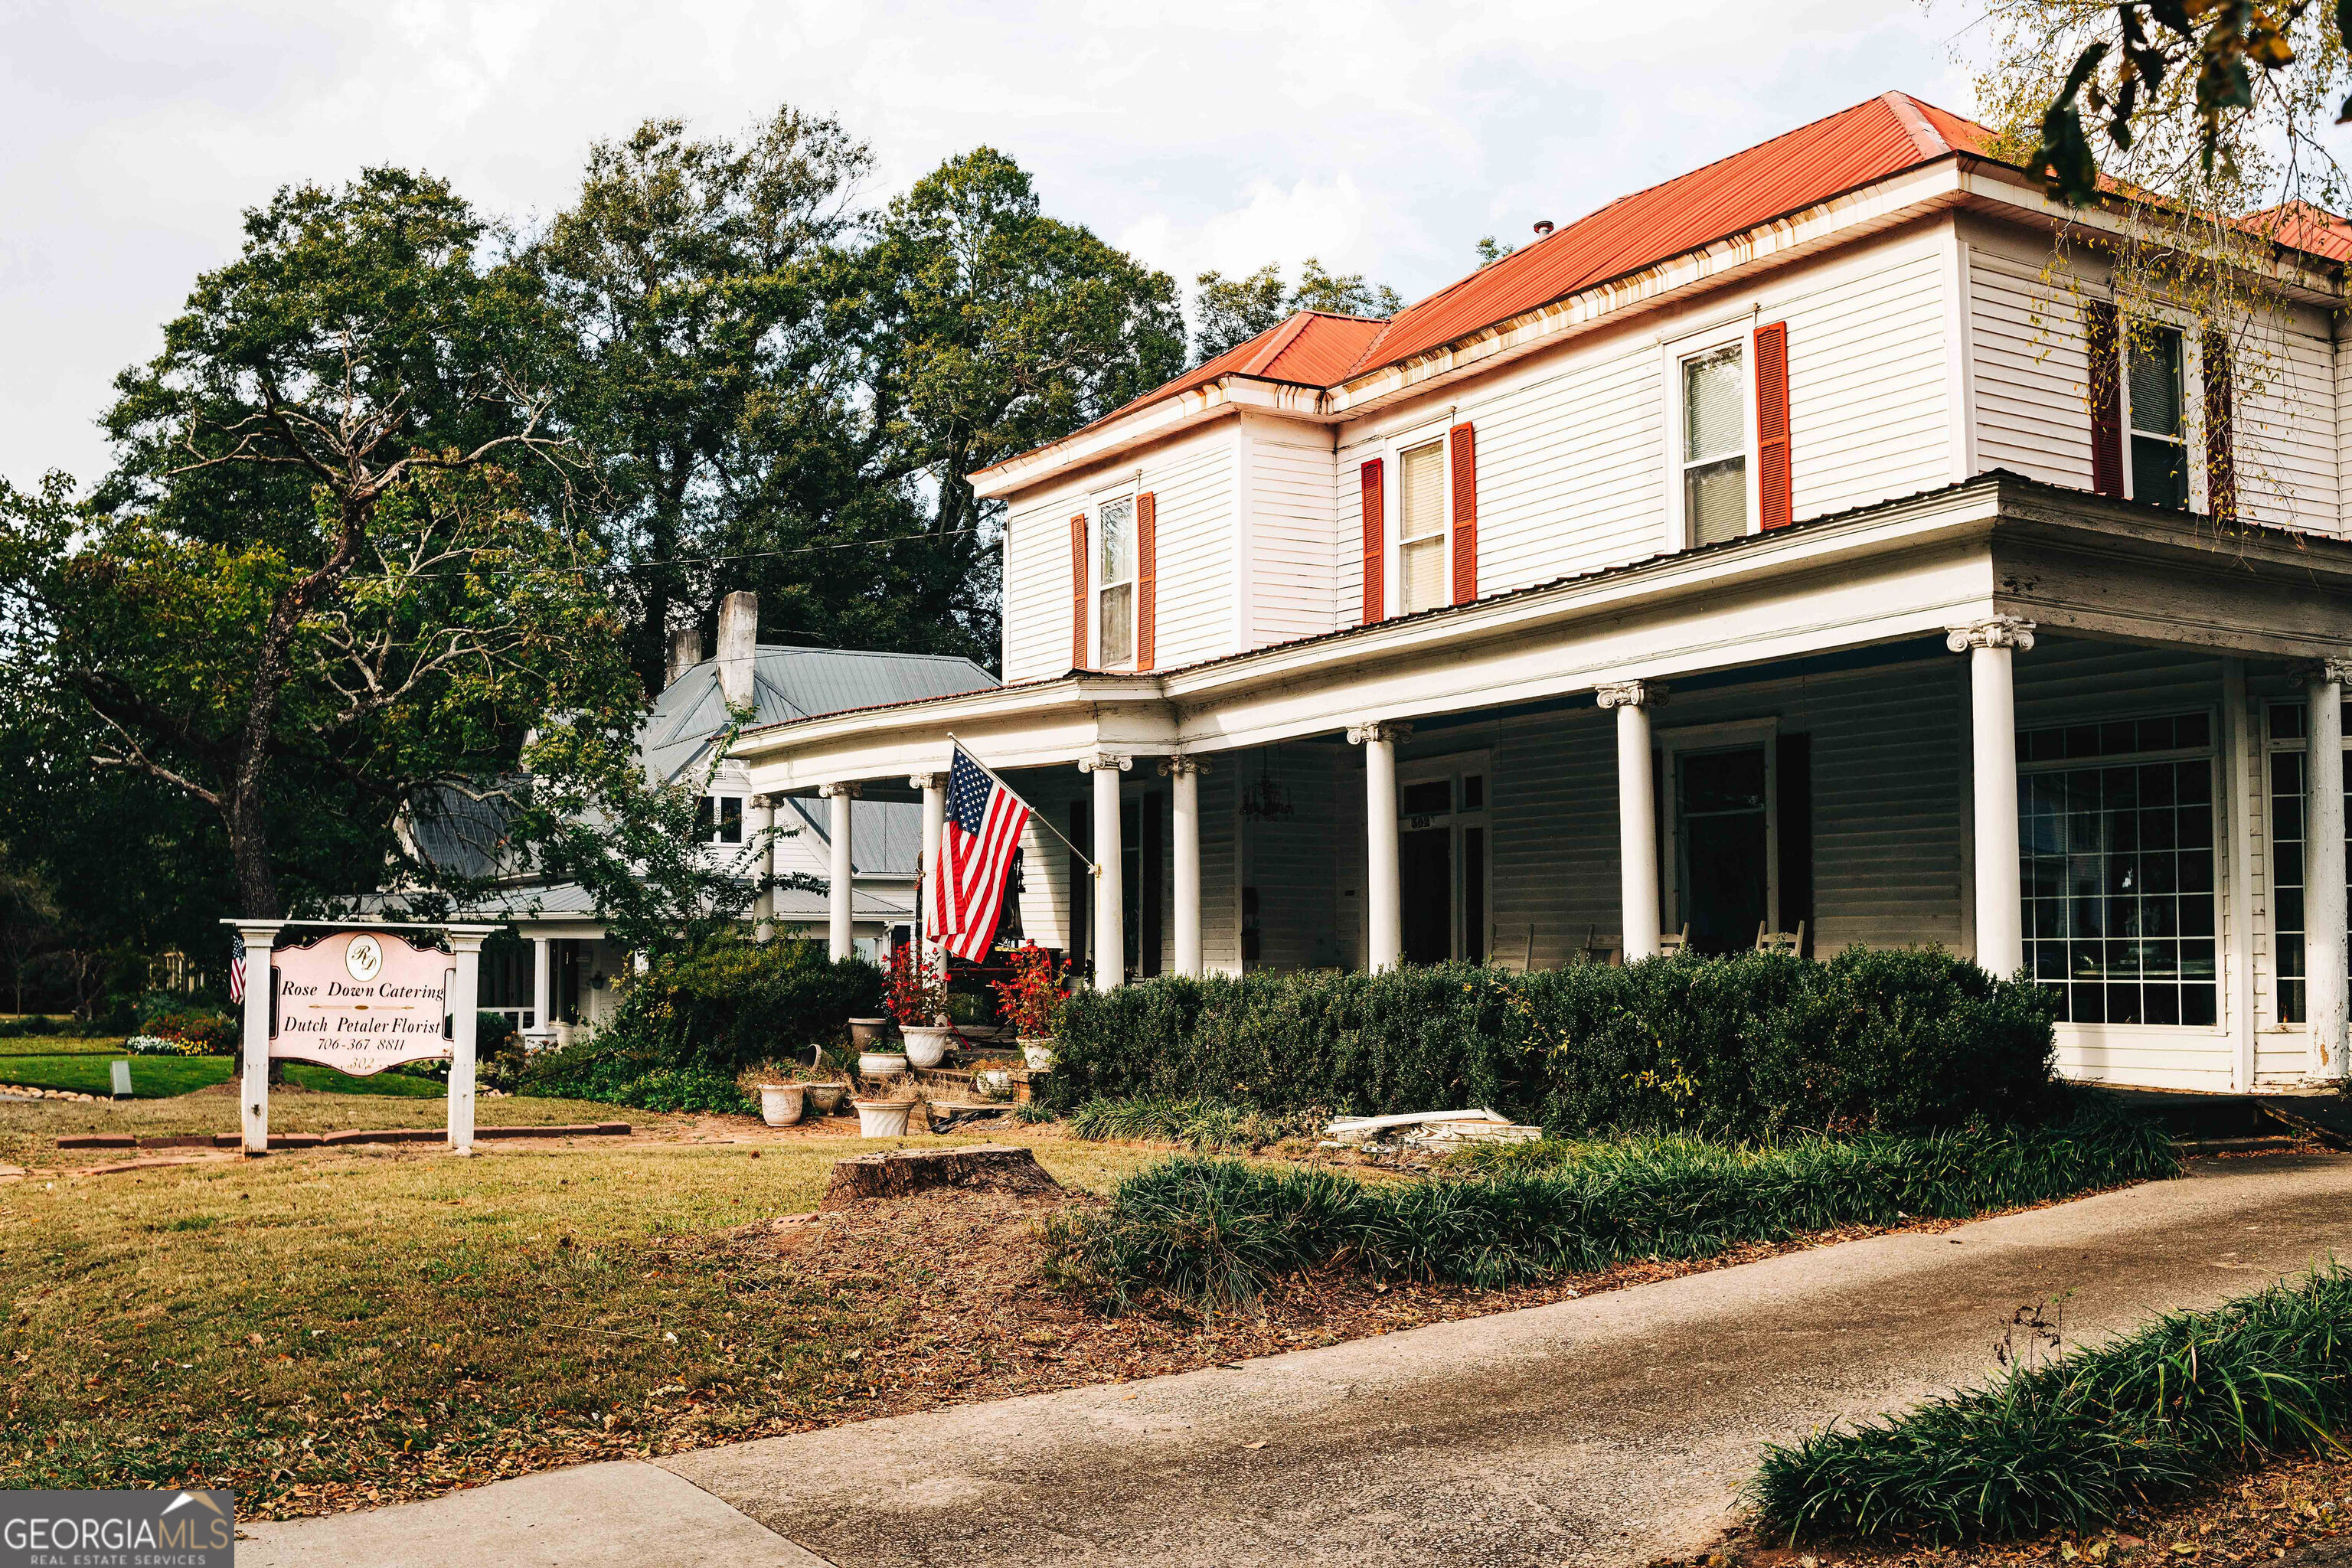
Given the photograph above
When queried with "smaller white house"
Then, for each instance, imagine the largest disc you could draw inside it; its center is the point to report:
(563, 975)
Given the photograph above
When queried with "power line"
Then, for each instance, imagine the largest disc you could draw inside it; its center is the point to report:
(686, 560)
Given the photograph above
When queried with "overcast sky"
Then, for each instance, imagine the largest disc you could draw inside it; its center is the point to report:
(1382, 138)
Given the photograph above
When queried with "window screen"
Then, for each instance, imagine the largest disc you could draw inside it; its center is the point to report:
(1421, 528)
(1715, 445)
(1115, 531)
(2160, 454)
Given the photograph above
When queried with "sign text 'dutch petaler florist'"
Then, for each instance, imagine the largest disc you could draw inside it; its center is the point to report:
(361, 1001)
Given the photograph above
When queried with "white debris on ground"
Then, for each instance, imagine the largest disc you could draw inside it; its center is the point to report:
(1428, 1128)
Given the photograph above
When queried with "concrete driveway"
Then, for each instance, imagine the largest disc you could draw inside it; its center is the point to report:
(1607, 1430)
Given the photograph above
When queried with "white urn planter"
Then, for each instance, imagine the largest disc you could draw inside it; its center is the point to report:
(881, 1064)
(823, 1098)
(883, 1118)
(1038, 1053)
(779, 1103)
(994, 1082)
(927, 1044)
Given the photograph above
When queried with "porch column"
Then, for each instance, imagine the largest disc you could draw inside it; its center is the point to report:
(935, 816)
(1993, 707)
(1383, 913)
(542, 985)
(1110, 885)
(1184, 820)
(763, 866)
(842, 942)
(2322, 863)
(1637, 813)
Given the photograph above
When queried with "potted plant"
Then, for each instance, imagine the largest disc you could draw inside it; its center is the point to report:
(823, 1085)
(885, 1115)
(1032, 1002)
(914, 989)
(779, 1089)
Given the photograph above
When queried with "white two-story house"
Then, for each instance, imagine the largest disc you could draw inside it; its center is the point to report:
(1808, 544)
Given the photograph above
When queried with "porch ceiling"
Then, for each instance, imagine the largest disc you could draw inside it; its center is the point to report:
(1889, 574)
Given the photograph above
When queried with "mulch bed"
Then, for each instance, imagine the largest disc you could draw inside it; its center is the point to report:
(2278, 1512)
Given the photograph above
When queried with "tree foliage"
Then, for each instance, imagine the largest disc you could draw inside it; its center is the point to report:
(1227, 312)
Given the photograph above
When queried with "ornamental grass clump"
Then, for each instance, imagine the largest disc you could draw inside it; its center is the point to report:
(2070, 1443)
(1214, 1233)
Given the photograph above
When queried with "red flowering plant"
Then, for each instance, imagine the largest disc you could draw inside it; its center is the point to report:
(914, 989)
(1031, 1000)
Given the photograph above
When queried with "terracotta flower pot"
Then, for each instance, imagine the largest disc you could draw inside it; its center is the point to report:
(881, 1064)
(883, 1118)
(823, 1098)
(925, 1044)
(779, 1103)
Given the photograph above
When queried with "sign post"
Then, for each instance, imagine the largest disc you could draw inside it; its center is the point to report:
(360, 998)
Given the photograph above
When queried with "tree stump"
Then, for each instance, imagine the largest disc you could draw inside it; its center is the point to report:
(901, 1173)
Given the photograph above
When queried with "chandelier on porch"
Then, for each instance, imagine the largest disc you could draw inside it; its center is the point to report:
(1265, 800)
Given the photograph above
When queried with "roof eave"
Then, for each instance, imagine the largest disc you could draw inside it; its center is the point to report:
(1231, 393)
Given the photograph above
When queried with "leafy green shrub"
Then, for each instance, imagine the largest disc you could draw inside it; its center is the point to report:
(31, 1025)
(1202, 1125)
(2070, 1443)
(198, 1034)
(1750, 1045)
(729, 1001)
(609, 1068)
(1216, 1232)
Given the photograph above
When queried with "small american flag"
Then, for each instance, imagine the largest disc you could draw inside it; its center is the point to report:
(983, 829)
(236, 971)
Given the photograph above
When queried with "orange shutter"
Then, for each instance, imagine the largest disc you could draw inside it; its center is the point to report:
(2220, 454)
(1777, 498)
(1464, 452)
(1375, 539)
(1147, 576)
(2107, 399)
(1078, 592)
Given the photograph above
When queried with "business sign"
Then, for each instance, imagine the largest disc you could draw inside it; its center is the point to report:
(118, 1530)
(360, 1001)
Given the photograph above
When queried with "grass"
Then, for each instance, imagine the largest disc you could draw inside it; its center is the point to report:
(163, 1077)
(56, 1046)
(393, 1322)
(1215, 1233)
(2073, 1442)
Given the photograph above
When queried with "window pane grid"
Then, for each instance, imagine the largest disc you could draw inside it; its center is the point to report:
(1421, 528)
(2117, 880)
(2288, 850)
(1115, 601)
(1715, 445)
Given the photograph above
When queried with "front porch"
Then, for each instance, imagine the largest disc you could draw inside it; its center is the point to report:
(2039, 730)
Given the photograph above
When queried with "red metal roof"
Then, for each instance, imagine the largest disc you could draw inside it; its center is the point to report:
(1311, 348)
(2303, 226)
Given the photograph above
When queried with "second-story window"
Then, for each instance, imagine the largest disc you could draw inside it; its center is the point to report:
(1115, 598)
(718, 819)
(2159, 452)
(1421, 528)
(1715, 445)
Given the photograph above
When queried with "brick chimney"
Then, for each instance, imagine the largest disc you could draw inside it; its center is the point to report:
(739, 644)
(684, 652)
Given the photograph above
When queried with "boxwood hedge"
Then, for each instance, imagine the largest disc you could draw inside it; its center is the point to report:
(1744, 1046)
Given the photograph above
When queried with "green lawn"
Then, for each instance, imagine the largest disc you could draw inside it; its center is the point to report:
(161, 1078)
(57, 1046)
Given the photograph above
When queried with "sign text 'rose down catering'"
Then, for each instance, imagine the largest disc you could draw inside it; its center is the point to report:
(361, 1001)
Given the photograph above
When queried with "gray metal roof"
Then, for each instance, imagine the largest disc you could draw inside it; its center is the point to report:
(795, 683)
(886, 836)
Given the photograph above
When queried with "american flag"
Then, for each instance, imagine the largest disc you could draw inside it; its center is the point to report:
(983, 829)
(236, 971)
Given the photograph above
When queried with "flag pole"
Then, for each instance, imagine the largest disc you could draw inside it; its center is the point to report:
(1036, 817)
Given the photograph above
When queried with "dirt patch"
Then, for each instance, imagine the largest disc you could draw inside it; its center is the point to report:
(2262, 1518)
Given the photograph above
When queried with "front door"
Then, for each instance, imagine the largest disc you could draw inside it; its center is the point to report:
(1721, 810)
(1425, 889)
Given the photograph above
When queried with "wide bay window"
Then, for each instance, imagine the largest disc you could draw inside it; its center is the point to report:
(1115, 582)
(2288, 736)
(1421, 527)
(1715, 445)
(2159, 446)
(2117, 822)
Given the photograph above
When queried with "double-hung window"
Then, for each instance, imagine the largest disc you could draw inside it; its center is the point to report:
(718, 819)
(1421, 528)
(1715, 445)
(2160, 447)
(2289, 741)
(1115, 582)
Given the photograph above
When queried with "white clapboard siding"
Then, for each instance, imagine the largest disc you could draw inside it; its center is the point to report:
(1036, 634)
(1221, 918)
(1868, 399)
(2032, 416)
(1194, 481)
(1044, 859)
(1292, 588)
(2340, 361)
(2285, 436)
